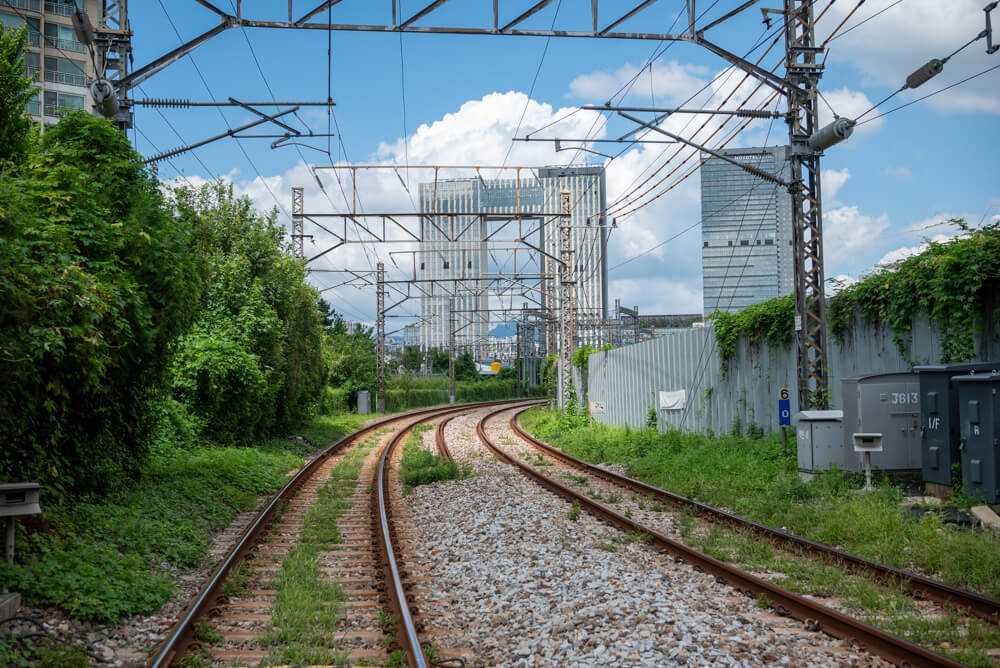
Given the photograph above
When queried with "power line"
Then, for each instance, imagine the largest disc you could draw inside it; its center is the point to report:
(919, 99)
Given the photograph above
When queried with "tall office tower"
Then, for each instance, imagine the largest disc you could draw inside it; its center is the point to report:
(747, 252)
(52, 43)
(466, 257)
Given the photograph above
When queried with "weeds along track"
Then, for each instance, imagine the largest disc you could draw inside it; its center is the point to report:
(316, 578)
(602, 495)
(916, 585)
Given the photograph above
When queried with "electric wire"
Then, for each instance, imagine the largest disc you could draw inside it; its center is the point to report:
(858, 25)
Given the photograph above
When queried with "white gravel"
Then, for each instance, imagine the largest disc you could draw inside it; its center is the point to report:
(523, 585)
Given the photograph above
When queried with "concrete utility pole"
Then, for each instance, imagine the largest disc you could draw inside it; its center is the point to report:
(298, 250)
(803, 74)
(451, 350)
(566, 307)
(380, 341)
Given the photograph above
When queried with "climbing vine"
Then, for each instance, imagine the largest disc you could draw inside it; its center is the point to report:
(772, 320)
(948, 283)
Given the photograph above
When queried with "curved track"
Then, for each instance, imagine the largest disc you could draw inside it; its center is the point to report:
(816, 616)
(210, 600)
(918, 585)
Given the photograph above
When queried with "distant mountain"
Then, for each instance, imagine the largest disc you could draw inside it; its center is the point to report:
(504, 331)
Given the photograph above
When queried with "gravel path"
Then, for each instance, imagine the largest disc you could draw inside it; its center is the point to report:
(524, 585)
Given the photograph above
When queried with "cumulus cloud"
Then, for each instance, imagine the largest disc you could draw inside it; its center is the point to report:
(670, 82)
(894, 44)
(849, 104)
(657, 295)
(900, 254)
(848, 233)
(831, 181)
(839, 283)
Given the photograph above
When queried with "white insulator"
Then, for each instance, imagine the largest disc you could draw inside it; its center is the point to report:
(104, 97)
(832, 134)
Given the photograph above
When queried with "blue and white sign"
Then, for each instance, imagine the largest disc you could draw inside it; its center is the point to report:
(784, 408)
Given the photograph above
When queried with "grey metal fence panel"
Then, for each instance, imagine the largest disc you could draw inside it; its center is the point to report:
(628, 379)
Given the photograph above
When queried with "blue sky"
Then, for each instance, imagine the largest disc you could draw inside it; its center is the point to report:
(884, 189)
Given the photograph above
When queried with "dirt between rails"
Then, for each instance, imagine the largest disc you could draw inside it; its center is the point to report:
(129, 643)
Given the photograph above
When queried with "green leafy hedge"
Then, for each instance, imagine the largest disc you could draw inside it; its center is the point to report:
(772, 320)
(948, 282)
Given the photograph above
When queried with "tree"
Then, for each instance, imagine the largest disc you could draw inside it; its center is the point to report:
(16, 130)
(465, 367)
(351, 360)
(412, 359)
(439, 360)
(97, 279)
(332, 321)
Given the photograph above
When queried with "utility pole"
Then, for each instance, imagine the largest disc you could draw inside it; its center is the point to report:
(380, 342)
(298, 250)
(517, 358)
(451, 350)
(566, 306)
(803, 73)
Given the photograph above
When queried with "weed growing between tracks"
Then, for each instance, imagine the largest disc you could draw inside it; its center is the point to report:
(752, 478)
(421, 467)
(308, 607)
(103, 561)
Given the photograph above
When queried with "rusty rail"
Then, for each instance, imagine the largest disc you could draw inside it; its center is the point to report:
(816, 616)
(181, 637)
(921, 587)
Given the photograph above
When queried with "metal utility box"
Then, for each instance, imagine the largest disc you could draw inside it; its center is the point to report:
(18, 499)
(979, 431)
(887, 404)
(364, 402)
(819, 440)
(939, 417)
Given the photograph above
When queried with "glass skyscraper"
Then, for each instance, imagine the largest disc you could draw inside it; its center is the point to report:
(746, 230)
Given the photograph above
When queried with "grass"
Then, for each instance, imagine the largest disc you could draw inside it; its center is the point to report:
(420, 466)
(752, 478)
(308, 607)
(18, 652)
(574, 511)
(101, 561)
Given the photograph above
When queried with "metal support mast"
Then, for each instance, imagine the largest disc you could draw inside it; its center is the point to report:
(803, 73)
(113, 51)
(517, 358)
(567, 313)
(451, 350)
(297, 230)
(380, 342)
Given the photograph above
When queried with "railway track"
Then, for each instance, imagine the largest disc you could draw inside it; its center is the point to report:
(917, 585)
(816, 616)
(375, 619)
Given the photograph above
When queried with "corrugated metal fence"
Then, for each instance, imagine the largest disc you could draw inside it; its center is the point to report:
(627, 380)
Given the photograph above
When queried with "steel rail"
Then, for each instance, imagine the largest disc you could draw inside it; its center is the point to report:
(919, 586)
(816, 616)
(181, 637)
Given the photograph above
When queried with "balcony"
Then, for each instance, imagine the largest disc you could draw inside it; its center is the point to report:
(65, 78)
(31, 70)
(65, 44)
(58, 110)
(31, 5)
(34, 107)
(60, 8)
(34, 38)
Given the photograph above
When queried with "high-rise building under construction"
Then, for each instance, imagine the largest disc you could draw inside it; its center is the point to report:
(454, 247)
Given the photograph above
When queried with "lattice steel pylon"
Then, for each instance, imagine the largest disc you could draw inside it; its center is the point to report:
(113, 47)
(567, 309)
(380, 341)
(803, 74)
(298, 247)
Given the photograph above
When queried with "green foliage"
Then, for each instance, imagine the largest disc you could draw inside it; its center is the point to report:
(652, 419)
(412, 358)
(252, 363)
(421, 467)
(96, 280)
(465, 367)
(350, 356)
(948, 282)
(574, 512)
(580, 356)
(16, 130)
(772, 320)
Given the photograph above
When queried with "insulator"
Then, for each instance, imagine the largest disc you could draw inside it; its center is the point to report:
(104, 97)
(753, 113)
(834, 133)
(165, 102)
(81, 26)
(925, 73)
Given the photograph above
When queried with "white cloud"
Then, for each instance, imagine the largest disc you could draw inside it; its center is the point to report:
(657, 295)
(848, 233)
(891, 46)
(671, 81)
(901, 172)
(831, 181)
(839, 283)
(900, 254)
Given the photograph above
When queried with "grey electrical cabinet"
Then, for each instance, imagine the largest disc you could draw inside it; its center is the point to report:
(887, 404)
(939, 417)
(819, 437)
(979, 431)
(364, 402)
